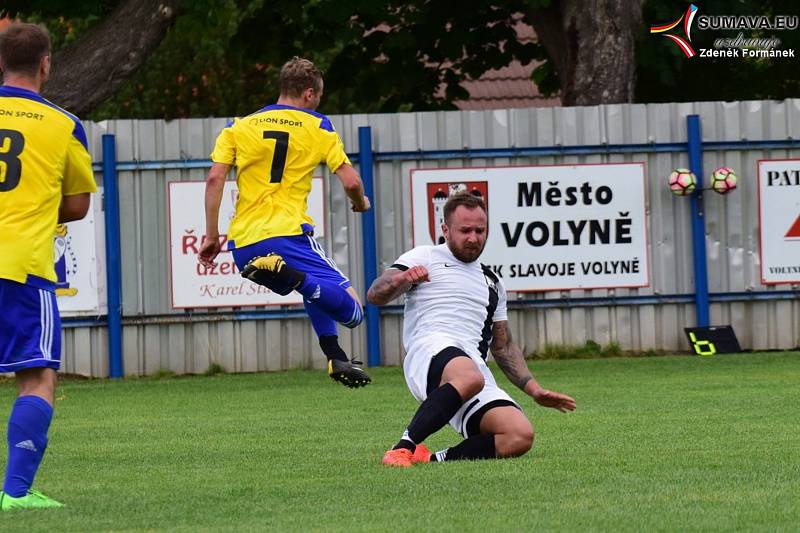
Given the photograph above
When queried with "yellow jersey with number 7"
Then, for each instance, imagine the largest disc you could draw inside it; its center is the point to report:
(43, 155)
(275, 151)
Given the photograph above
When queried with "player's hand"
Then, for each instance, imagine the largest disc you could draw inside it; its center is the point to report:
(414, 275)
(555, 400)
(209, 250)
(365, 205)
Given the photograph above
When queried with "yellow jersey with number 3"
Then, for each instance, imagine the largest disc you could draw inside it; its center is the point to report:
(275, 151)
(43, 156)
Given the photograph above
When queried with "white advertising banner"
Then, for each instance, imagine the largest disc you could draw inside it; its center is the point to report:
(779, 220)
(550, 227)
(193, 285)
(79, 262)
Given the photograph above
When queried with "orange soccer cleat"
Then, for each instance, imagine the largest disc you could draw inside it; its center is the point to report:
(400, 457)
(421, 455)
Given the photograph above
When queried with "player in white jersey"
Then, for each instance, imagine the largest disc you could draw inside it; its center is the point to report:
(455, 311)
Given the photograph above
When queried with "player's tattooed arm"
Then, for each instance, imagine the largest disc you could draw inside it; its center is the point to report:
(511, 360)
(394, 282)
(509, 356)
(383, 289)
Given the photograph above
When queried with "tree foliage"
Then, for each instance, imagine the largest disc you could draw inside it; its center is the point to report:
(416, 47)
(222, 57)
(95, 55)
(376, 58)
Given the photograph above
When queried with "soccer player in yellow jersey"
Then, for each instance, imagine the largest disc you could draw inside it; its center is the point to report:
(275, 151)
(45, 179)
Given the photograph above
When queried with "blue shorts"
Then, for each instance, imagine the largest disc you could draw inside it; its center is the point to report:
(30, 328)
(301, 252)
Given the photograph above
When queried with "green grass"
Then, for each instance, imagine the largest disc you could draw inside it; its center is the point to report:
(590, 350)
(657, 444)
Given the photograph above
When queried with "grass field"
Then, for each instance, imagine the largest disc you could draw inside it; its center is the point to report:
(657, 444)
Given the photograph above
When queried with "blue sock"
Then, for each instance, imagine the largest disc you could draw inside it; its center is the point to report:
(27, 440)
(323, 324)
(332, 300)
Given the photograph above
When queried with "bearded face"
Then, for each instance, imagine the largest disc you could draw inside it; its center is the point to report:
(466, 234)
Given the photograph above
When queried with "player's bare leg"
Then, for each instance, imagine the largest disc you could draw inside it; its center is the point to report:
(504, 432)
(463, 374)
(513, 432)
(39, 382)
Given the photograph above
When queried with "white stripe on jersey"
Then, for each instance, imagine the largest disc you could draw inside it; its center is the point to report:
(453, 304)
(320, 252)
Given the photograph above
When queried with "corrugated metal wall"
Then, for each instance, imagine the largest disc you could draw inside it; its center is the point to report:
(156, 337)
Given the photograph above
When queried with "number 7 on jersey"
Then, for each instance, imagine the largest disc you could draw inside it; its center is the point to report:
(279, 155)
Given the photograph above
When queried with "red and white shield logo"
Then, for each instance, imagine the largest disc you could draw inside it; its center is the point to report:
(438, 193)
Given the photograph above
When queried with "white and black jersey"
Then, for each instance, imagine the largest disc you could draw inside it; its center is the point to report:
(456, 307)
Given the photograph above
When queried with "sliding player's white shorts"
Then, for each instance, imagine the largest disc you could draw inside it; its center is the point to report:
(416, 366)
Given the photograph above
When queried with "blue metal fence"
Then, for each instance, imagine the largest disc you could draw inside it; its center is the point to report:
(698, 222)
(370, 243)
(113, 256)
(366, 158)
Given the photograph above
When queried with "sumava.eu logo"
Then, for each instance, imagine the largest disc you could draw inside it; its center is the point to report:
(673, 27)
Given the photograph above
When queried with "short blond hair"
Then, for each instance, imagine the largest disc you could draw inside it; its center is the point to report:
(297, 75)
